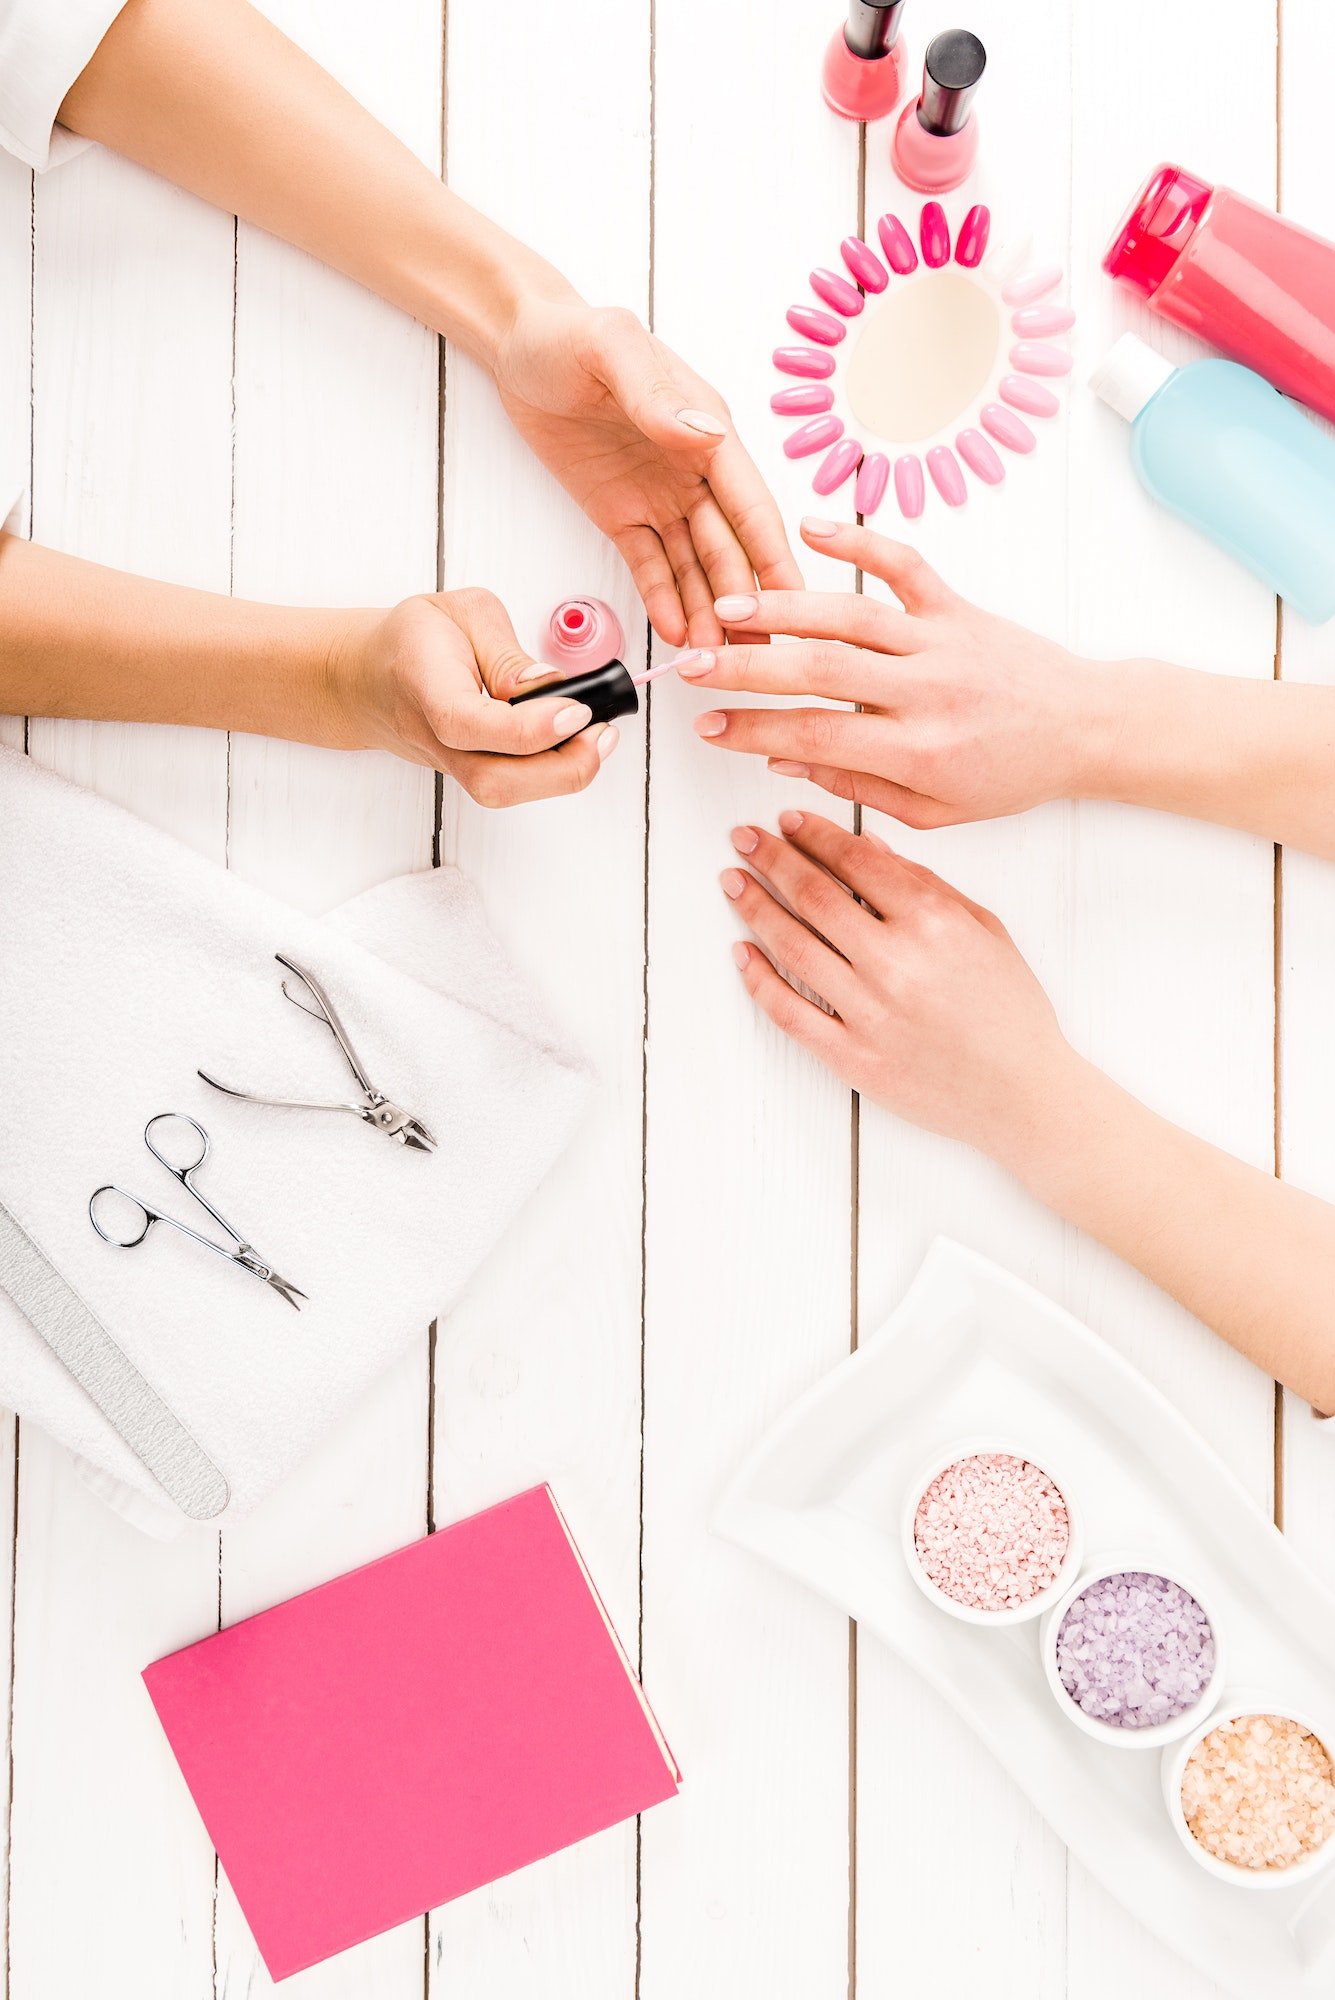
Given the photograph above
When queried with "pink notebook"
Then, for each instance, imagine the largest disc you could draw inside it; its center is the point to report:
(410, 1731)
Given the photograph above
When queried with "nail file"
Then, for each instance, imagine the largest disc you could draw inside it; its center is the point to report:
(82, 1344)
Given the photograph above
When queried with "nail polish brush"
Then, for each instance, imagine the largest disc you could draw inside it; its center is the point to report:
(607, 691)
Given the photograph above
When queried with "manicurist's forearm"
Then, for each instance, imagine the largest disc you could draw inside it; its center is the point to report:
(211, 95)
(1251, 1257)
(1256, 754)
(80, 640)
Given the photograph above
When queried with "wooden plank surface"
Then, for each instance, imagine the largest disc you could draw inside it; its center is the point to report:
(213, 407)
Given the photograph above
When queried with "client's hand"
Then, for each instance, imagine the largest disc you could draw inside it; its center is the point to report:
(431, 681)
(936, 1015)
(964, 716)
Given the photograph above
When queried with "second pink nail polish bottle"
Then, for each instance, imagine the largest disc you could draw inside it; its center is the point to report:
(863, 72)
(584, 632)
(936, 139)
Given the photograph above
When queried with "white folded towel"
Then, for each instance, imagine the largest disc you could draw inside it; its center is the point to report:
(127, 963)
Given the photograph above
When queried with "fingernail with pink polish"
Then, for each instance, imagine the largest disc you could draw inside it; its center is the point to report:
(713, 723)
(934, 235)
(876, 841)
(1042, 320)
(1027, 395)
(783, 769)
(537, 672)
(741, 956)
(693, 666)
(897, 245)
(1006, 428)
(946, 475)
(1040, 357)
(812, 524)
(572, 717)
(745, 839)
(790, 821)
(733, 609)
(607, 742)
(700, 420)
(732, 882)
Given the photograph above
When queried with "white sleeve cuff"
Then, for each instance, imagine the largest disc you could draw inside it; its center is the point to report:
(44, 46)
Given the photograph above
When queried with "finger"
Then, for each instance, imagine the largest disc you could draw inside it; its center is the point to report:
(636, 369)
(816, 614)
(807, 667)
(868, 867)
(914, 582)
(748, 504)
(822, 903)
(810, 736)
(863, 788)
(721, 554)
(798, 950)
(646, 559)
(795, 1017)
(485, 623)
(512, 781)
(926, 879)
(697, 599)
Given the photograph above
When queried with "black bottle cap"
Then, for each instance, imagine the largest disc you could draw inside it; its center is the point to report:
(951, 71)
(609, 691)
(873, 27)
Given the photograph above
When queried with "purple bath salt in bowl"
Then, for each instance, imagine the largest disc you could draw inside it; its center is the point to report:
(1135, 1650)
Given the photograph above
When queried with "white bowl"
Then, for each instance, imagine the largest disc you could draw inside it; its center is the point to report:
(1174, 1769)
(1158, 1733)
(970, 1614)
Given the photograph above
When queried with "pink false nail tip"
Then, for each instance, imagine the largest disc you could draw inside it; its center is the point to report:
(872, 482)
(934, 235)
(807, 401)
(813, 437)
(1031, 285)
(865, 265)
(1042, 320)
(897, 245)
(837, 292)
(1023, 393)
(837, 466)
(946, 475)
(971, 243)
(804, 361)
(910, 488)
(980, 458)
(1006, 427)
(813, 325)
(1040, 357)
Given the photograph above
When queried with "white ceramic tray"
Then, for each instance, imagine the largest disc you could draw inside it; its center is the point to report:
(972, 1351)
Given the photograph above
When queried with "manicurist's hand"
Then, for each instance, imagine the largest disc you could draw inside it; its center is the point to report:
(431, 681)
(937, 1017)
(964, 715)
(649, 452)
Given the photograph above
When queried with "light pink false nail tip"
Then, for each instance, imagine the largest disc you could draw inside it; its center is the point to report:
(813, 437)
(806, 401)
(872, 482)
(910, 487)
(1040, 357)
(1042, 320)
(804, 361)
(865, 265)
(897, 245)
(934, 235)
(1031, 285)
(971, 243)
(946, 475)
(1023, 393)
(980, 458)
(837, 466)
(837, 292)
(813, 325)
(1006, 427)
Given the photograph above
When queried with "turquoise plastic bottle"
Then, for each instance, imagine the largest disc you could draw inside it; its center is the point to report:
(1219, 446)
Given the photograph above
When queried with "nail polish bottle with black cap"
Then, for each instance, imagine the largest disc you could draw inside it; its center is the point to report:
(862, 76)
(936, 139)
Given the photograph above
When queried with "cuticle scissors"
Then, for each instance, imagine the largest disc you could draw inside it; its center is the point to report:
(243, 1253)
(374, 1107)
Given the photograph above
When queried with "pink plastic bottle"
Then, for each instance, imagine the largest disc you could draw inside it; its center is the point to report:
(1254, 285)
(583, 632)
(862, 76)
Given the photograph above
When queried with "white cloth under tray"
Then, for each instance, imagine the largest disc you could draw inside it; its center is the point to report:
(126, 963)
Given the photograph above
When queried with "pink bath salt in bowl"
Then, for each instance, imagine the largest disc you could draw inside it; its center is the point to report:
(1258, 1793)
(992, 1532)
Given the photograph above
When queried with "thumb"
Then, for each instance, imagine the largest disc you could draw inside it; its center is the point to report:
(485, 623)
(632, 365)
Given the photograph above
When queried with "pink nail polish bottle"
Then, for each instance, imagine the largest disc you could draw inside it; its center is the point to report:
(584, 632)
(863, 72)
(936, 139)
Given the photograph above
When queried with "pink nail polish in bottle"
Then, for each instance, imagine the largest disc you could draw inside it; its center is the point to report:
(936, 139)
(583, 632)
(863, 72)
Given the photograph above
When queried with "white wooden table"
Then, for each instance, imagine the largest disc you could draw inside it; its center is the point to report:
(211, 407)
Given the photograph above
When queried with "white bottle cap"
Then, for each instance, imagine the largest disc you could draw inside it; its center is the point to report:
(1129, 374)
